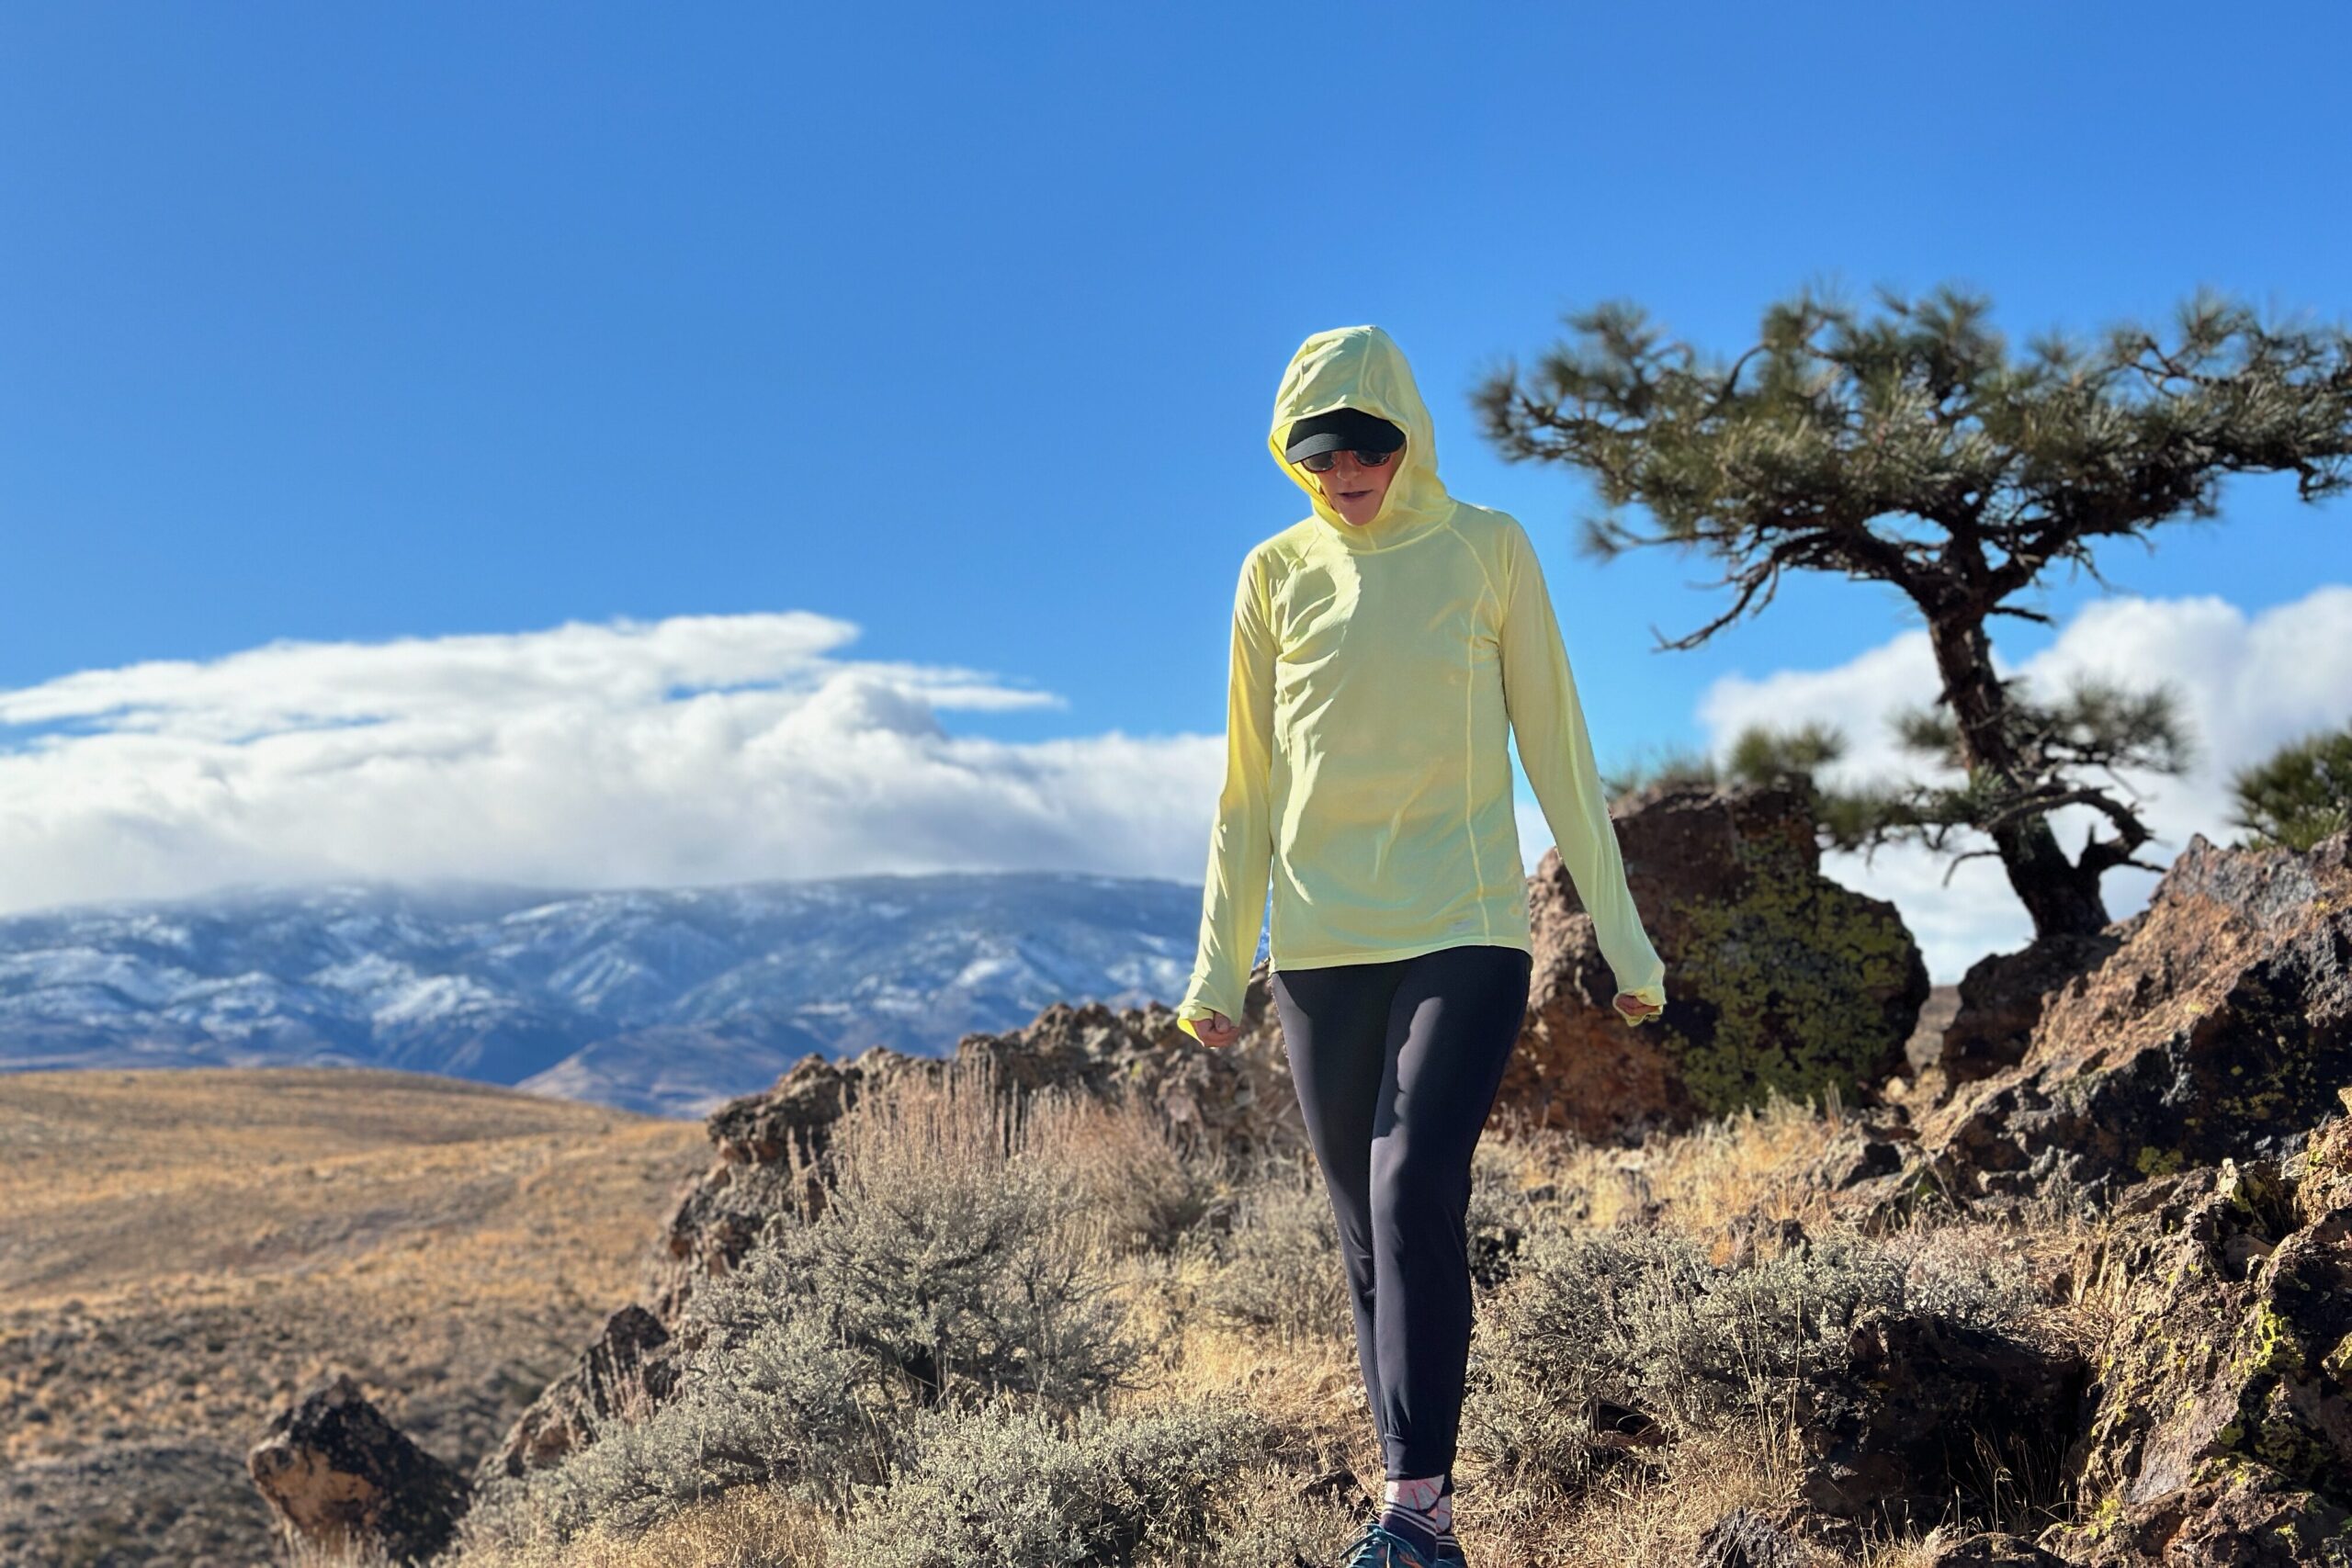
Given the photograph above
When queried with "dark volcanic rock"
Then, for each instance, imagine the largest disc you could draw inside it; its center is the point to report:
(1922, 1409)
(2001, 998)
(1776, 976)
(341, 1478)
(2222, 1424)
(2222, 1025)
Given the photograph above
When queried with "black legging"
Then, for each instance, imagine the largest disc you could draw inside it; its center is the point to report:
(1397, 1064)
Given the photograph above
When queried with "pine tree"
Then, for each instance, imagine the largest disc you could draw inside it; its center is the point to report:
(1907, 448)
(2299, 795)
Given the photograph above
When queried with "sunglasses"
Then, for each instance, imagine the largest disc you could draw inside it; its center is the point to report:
(1321, 462)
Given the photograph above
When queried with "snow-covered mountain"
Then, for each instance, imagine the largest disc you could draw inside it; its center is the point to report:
(664, 1001)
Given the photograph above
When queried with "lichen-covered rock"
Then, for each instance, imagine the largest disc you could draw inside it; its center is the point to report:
(2222, 1428)
(2239, 1515)
(1776, 976)
(342, 1479)
(2222, 1025)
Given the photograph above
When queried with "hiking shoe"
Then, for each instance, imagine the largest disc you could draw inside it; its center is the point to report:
(1449, 1555)
(1376, 1548)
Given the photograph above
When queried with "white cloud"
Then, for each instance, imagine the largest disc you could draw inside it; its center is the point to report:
(695, 750)
(731, 747)
(2246, 686)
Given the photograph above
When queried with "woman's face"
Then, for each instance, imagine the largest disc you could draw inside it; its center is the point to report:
(1355, 490)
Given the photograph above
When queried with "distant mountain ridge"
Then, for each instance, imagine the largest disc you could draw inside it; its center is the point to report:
(660, 1001)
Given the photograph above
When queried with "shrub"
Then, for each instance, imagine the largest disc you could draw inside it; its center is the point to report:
(1008, 1481)
(785, 1405)
(942, 1269)
(1644, 1321)
(948, 1255)
(1501, 1214)
(1277, 1265)
(1136, 1191)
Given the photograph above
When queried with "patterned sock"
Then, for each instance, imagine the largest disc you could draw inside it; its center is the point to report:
(1445, 1539)
(1418, 1508)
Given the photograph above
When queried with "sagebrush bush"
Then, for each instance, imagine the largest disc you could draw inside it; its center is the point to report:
(946, 1267)
(1137, 1191)
(950, 1256)
(1008, 1481)
(1642, 1319)
(1501, 1215)
(1270, 1519)
(1276, 1265)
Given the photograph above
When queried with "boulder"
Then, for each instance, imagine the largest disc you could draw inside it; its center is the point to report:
(2000, 1002)
(343, 1480)
(1776, 976)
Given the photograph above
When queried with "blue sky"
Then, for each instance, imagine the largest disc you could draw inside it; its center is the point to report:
(934, 348)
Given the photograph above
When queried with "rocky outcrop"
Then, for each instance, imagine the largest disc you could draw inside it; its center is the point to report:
(343, 1480)
(2222, 1430)
(770, 1146)
(1777, 975)
(2220, 1025)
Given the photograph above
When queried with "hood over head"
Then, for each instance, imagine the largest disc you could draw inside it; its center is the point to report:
(1361, 367)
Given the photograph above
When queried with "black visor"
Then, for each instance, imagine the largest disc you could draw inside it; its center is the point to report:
(1345, 429)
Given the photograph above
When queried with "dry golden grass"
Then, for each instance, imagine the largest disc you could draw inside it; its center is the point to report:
(744, 1529)
(189, 1249)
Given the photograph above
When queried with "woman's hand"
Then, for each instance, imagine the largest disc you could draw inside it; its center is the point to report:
(1634, 1009)
(1216, 1029)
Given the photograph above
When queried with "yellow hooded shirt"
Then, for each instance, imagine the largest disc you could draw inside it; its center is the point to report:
(1375, 672)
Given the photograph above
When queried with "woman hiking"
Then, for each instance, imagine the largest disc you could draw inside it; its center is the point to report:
(1381, 648)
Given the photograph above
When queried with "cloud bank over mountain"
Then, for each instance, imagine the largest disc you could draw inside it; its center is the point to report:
(712, 750)
(686, 751)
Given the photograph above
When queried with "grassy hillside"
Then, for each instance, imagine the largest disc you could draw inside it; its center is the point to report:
(186, 1250)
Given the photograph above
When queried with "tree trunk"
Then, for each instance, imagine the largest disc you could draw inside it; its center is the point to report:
(2062, 898)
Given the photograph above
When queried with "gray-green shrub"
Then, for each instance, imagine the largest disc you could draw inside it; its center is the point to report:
(1008, 1483)
(1276, 1266)
(942, 1270)
(1644, 1320)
